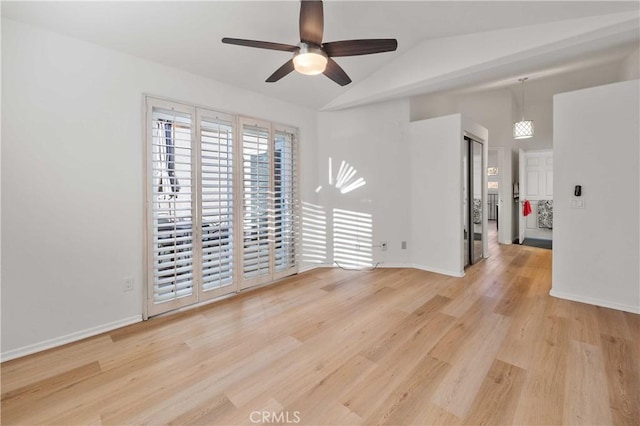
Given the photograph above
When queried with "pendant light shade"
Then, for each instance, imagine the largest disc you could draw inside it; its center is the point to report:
(523, 129)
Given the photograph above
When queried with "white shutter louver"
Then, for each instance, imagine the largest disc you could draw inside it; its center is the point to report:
(256, 169)
(221, 204)
(172, 205)
(216, 167)
(285, 220)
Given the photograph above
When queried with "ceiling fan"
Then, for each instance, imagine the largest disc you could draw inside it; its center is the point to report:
(311, 56)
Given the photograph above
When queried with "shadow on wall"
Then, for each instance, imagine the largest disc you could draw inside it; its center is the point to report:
(351, 231)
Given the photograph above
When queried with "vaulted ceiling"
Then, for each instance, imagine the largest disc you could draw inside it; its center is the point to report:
(186, 35)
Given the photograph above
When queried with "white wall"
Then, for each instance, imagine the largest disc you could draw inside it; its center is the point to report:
(437, 193)
(596, 250)
(436, 187)
(630, 69)
(372, 139)
(493, 110)
(72, 179)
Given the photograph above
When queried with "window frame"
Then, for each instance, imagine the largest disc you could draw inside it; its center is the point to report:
(199, 296)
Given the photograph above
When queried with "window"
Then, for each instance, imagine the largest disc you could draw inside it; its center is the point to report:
(172, 248)
(284, 172)
(256, 188)
(216, 201)
(210, 186)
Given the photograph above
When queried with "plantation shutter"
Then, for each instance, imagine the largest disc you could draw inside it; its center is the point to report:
(285, 202)
(216, 203)
(221, 204)
(171, 207)
(256, 203)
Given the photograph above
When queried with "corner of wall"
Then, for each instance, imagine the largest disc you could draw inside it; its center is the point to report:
(630, 69)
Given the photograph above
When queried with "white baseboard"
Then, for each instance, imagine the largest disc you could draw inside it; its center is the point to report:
(439, 271)
(63, 340)
(395, 265)
(308, 268)
(597, 302)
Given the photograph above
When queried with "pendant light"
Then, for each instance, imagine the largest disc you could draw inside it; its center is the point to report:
(523, 129)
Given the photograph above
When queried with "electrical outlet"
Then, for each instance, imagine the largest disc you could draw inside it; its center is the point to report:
(383, 246)
(404, 245)
(127, 284)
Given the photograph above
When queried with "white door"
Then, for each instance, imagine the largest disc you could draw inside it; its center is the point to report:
(536, 185)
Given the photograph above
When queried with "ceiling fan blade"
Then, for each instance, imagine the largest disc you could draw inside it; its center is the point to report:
(360, 47)
(311, 22)
(260, 44)
(336, 73)
(281, 72)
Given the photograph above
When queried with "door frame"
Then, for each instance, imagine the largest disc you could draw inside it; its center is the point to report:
(468, 140)
(504, 193)
(522, 185)
(522, 163)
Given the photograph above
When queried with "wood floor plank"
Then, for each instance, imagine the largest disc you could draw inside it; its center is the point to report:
(586, 377)
(206, 413)
(194, 387)
(391, 346)
(403, 405)
(454, 339)
(470, 366)
(431, 414)
(411, 325)
(524, 333)
(312, 403)
(42, 388)
(396, 366)
(497, 399)
(47, 364)
(542, 397)
(622, 370)
(513, 297)
(584, 323)
(613, 323)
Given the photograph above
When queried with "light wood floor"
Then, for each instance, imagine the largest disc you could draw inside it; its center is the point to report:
(333, 347)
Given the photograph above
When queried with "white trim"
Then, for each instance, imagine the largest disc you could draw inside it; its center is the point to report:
(504, 193)
(394, 265)
(384, 265)
(597, 302)
(307, 268)
(438, 270)
(69, 338)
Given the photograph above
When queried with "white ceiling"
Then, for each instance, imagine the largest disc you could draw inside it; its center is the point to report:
(187, 35)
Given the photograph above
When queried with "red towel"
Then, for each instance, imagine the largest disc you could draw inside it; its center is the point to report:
(526, 208)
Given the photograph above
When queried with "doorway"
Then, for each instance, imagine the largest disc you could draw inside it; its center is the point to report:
(474, 202)
(536, 192)
(494, 194)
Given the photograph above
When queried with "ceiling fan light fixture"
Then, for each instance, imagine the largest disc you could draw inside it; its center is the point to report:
(310, 60)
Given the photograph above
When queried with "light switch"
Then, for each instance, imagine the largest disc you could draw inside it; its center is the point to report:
(577, 203)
